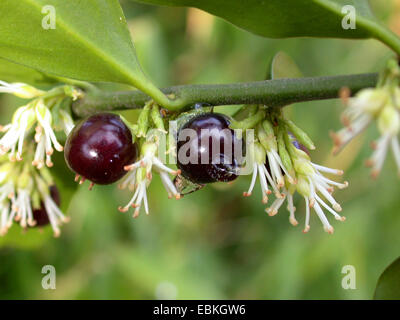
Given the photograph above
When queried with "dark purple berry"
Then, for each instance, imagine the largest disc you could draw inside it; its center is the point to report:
(197, 160)
(40, 215)
(99, 147)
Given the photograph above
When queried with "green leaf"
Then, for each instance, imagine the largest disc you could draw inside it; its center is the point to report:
(388, 287)
(90, 41)
(283, 66)
(294, 18)
(12, 72)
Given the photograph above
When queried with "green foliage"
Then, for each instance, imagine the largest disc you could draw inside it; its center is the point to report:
(388, 287)
(214, 243)
(289, 18)
(90, 40)
(283, 66)
(12, 72)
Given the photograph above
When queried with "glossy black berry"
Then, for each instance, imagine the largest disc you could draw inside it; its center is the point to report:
(40, 215)
(99, 147)
(196, 158)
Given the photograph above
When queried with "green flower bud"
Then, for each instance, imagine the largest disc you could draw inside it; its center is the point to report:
(143, 120)
(266, 136)
(157, 119)
(300, 135)
(283, 153)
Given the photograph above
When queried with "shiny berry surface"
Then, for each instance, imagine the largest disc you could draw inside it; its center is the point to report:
(211, 129)
(99, 147)
(40, 215)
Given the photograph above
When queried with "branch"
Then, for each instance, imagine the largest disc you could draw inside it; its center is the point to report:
(273, 93)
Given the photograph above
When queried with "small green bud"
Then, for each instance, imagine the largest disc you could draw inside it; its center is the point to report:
(157, 119)
(300, 135)
(267, 137)
(283, 153)
(143, 120)
(268, 127)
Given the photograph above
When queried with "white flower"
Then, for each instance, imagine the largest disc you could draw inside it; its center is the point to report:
(56, 217)
(312, 184)
(15, 132)
(382, 105)
(45, 137)
(7, 195)
(18, 193)
(141, 175)
(288, 195)
(67, 123)
(21, 90)
(263, 174)
(389, 127)
(359, 113)
(4, 220)
(22, 209)
(266, 153)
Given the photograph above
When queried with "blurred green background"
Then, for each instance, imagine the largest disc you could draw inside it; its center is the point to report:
(214, 243)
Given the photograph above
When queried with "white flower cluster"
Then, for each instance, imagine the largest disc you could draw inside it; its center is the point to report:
(25, 195)
(140, 176)
(152, 135)
(283, 166)
(37, 113)
(381, 105)
(25, 183)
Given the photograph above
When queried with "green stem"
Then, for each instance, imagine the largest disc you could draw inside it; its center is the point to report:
(273, 93)
(385, 35)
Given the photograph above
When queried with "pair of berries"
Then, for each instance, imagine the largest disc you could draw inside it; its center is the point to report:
(100, 147)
